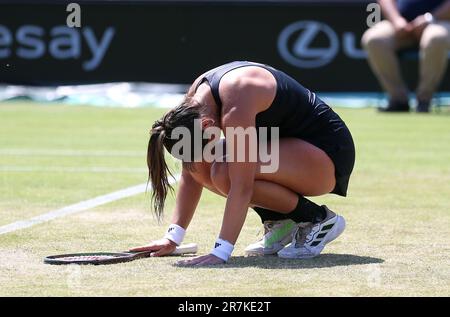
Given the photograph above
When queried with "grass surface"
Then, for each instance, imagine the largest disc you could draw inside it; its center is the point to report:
(398, 218)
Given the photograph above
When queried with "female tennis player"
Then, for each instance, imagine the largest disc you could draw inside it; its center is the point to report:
(316, 155)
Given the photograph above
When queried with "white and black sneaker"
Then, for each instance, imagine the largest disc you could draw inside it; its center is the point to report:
(309, 239)
(277, 234)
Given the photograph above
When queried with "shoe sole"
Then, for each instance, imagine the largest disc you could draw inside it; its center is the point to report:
(337, 230)
(257, 253)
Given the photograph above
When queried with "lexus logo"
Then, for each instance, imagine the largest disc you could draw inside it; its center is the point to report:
(297, 44)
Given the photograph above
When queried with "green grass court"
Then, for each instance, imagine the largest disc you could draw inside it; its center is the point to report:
(398, 211)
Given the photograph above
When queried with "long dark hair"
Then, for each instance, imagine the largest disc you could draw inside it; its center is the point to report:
(160, 138)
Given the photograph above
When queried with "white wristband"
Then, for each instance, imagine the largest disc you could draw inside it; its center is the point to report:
(222, 249)
(175, 233)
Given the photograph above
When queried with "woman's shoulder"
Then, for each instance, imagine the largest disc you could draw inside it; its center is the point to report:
(193, 87)
(251, 85)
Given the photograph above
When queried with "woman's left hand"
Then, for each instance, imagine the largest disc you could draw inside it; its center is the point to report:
(203, 260)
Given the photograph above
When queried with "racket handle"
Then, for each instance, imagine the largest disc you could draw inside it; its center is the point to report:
(185, 249)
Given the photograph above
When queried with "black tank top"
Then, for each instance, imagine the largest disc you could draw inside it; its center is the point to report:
(296, 111)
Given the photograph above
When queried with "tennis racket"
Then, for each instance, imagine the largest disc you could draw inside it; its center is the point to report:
(101, 258)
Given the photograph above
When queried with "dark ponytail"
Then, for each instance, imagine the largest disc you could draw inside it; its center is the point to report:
(158, 171)
(160, 138)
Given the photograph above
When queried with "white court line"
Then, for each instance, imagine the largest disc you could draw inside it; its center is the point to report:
(81, 206)
(69, 169)
(77, 153)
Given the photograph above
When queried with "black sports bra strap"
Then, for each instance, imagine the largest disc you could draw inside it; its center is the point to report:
(213, 77)
(201, 81)
(214, 88)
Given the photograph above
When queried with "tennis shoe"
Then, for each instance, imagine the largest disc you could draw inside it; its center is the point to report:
(308, 239)
(277, 234)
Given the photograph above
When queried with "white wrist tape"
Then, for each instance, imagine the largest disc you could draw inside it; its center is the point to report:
(175, 233)
(223, 249)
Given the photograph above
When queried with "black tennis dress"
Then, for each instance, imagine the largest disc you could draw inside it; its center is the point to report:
(298, 112)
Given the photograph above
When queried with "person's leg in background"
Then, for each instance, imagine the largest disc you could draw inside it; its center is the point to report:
(381, 44)
(434, 48)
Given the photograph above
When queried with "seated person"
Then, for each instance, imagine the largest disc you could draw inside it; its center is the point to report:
(409, 23)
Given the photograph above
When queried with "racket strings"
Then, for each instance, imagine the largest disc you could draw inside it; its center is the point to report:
(88, 258)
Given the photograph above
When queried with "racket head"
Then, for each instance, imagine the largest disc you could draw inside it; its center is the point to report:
(103, 258)
(93, 258)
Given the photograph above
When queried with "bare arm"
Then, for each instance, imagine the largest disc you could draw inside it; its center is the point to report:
(189, 193)
(241, 175)
(242, 99)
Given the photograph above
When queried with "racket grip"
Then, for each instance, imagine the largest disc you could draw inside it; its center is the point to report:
(185, 249)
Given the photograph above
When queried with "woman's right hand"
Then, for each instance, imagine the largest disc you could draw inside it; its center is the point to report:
(159, 247)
